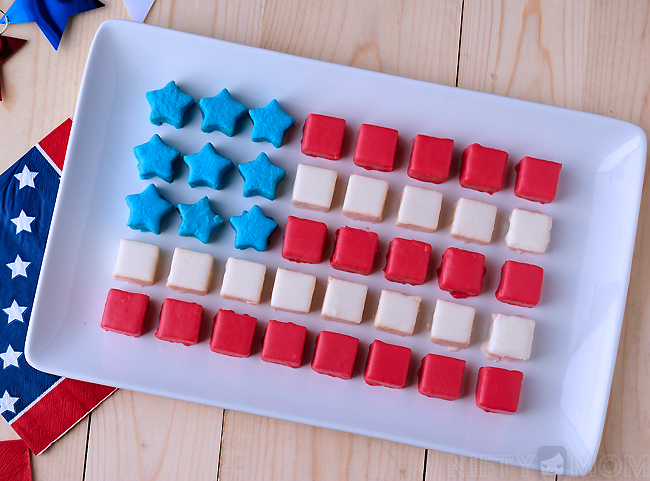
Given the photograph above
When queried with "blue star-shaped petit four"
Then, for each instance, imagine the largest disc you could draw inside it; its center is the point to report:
(207, 168)
(198, 220)
(221, 113)
(155, 158)
(261, 177)
(169, 105)
(147, 210)
(252, 229)
(270, 123)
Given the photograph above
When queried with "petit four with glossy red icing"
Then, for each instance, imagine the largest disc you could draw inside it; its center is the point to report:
(335, 354)
(232, 333)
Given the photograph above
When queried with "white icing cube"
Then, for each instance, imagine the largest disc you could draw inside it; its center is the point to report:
(344, 301)
(473, 221)
(529, 231)
(313, 187)
(452, 324)
(191, 271)
(510, 338)
(243, 280)
(397, 312)
(136, 262)
(365, 198)
(292, 291)
(419, 209)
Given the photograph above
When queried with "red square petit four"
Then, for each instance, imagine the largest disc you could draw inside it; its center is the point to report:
(322, 136)
(461, 272)
(355, 250)
(335, 354)
(430, 159)
(284, 343)
(180, 321)
(441, 376)
(521, 284)
(232, 333)
(407, 261)
(303, 240)
(498, 390)
(537, 179)
(124, 312)
(376, 147)
(483, 168)
(387, 365)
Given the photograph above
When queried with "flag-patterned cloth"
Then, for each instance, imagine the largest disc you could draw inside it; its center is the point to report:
(39, 406)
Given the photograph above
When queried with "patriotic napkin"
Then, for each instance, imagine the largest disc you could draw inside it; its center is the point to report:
(15, 464)
(40, 407)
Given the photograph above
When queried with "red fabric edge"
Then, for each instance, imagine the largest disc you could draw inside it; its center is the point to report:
(55, 144)
(58, 411)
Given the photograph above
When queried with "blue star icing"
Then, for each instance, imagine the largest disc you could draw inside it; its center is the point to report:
(270, 123)
(207, 168)
(252, 229)
(261, 177)
(169, 105)
(156, 158)
(198, 220)
(221, 113)
(147, 210)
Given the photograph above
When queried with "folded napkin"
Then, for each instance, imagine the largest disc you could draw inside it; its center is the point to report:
(14, 461)
(40, 407)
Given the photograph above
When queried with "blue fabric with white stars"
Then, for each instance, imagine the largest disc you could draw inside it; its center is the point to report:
(261, 177)
(207, 168)
(253, 229)
(156, 159)
(198, 220)
(270, 124)
(30, 186)
(221, 113)
(147, 210)
(169, 105)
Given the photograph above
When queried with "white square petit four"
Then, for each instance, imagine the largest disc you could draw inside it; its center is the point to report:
(419, 209)
(344, 301)
(191, 271)
(452, 325)
(365, 198)
(313, 187)
(473, 221)
(529, 231)
(136, 262)
(292, 291)
(243, 280)
(397, 312)
(509, 338)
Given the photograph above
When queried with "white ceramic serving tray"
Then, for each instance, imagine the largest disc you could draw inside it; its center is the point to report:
(586, 268)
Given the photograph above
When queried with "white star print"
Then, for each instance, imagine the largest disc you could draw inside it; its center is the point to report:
(23, 222)
(7, 403)
(26, 178)
(10, 357)
(15, 312)
(18, 267)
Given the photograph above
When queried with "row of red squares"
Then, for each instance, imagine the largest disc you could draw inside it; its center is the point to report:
(498, 390)
(461, 272)
(482, 168)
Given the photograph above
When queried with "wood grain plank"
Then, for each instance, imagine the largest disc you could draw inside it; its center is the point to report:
(135, 436)
(591, 56)
(260, 448)
(415, 38)
(63, 461)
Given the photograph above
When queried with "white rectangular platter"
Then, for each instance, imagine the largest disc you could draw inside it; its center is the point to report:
(586, 269)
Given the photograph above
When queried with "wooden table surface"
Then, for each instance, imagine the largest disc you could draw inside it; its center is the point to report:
(586, 55)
